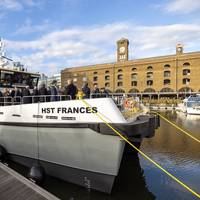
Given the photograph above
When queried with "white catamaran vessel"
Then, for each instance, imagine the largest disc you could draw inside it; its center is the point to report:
(65, 136)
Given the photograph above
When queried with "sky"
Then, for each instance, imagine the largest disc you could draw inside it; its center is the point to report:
(50, 35)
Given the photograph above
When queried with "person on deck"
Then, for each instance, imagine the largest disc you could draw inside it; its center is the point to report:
(71, 89)
(95, 91)
(86, 91)
(42, 93)
(26, 95)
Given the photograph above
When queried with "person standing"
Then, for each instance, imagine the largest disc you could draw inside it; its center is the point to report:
(26, 95)
(54, 91)
(35, 94)
(43, 93)
(95, 91)
(71, 89)
(86, 91)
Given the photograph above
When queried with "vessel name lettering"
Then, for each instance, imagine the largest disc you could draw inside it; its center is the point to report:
(70, 110)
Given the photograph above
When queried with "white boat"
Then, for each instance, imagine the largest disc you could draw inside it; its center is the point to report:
(191, 105)
(66, 137)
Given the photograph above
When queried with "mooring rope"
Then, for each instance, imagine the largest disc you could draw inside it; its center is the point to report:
(177, 127)
(143, 154)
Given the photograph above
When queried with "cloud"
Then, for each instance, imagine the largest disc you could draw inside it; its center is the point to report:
(16, 5)
(28, 27)
(97, 44)
(182, 6)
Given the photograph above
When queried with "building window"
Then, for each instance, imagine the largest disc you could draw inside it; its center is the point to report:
(107, 77)
(149, 68)
(119, 84)
(106, 72)
(186, 72)
(120, 77)
(150, 82)
(134, 83)
(167, 73)
(95, 78)
(166, 82)
(166, 66)
(107, 84)
(186, 81)
(134, 69)
(95, 73)
(149, 75)
(120, 70)
(134, 76)
(186, 64)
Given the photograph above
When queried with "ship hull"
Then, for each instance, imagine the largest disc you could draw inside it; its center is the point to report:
(78, 155)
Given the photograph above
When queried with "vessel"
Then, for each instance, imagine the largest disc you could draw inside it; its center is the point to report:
(66, 136)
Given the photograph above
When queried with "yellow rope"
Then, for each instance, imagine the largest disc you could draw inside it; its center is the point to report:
(183, 131)
(144, 155)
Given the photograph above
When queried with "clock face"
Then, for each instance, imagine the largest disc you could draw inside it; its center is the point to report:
(122, 49)
(179, 49)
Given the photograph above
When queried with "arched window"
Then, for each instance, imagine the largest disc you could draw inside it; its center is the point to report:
(186, 81)
(166, 66)
(119, 91)
(119, 84)
(186, 72)
(167, 73)
(95, 78)
(166, 90)
(107, 84)
(149, 82)
(120, 70)
(149, 68)
(134, 69)
(185, 89)
(134, 83)
(149, 75)
(107, 77)
(107, 71)
(149, 90)
(95, 73)
(133, 90)
(120, 77)
(134, 76)
(186, 64)
(166, 82)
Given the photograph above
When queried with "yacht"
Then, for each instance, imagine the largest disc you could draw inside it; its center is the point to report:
(191, 105)
(66, 136)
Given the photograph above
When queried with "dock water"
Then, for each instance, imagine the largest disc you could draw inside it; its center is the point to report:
(14, 186)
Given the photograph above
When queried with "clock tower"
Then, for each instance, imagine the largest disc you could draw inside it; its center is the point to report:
(179, 49)
(122, 50)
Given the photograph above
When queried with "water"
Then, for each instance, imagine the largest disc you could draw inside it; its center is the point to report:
(138, 178)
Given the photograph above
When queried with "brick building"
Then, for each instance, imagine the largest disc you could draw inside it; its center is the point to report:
(170, 73)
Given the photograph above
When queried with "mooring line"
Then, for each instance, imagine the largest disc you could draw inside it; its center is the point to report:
(176, 126)
(143, 154)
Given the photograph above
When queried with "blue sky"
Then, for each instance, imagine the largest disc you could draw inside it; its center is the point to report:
(49, 35)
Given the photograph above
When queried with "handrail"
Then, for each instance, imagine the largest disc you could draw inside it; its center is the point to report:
(7, 101)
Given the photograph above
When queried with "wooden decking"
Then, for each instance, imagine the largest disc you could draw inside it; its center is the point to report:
(13, 186)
